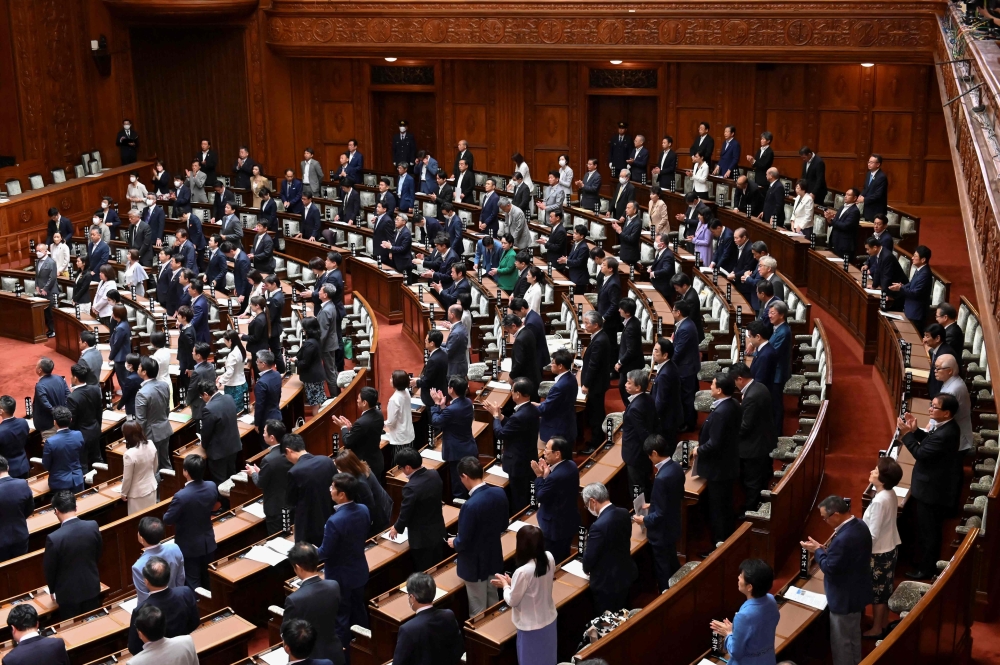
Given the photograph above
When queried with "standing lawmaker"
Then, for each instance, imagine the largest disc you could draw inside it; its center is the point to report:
(607, 556)
(72, 553)
(420, 511)
(663, 512)
(190, 512)
(16, 505)
(317, 601)
(557, 485)
(343, 550)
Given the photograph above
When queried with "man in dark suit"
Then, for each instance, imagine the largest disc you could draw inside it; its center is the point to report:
(185, 344)
(185, 249)
(178, 604)
(884, 269)
(947, 317)
(729, 156)
(594, 377)
(190, 512)
(16, 505)
(607, 555)
(268, 210)
(519, 436)
(343, 551)
(443, 193)
(275, 309)
(308, 495)
(522, 261)
(435, 373)
(875, 195)
(298, 638)
(935, 346)
(663, 512)
(13, 438)
(311, 226)
(220, 433)
(630, 234)
(291, 193)
(242, 172)
(128, 143)
(557, 485)
(916, 296)
(165, 293)
(844, 225)
(404, 146)
(533, 321)
(181, 198)
(687, 357)
(638, 159)
(223, 197)
(757, 435)
(481, 522)
(400, 245)
(666, 393)
(262, 250)
(749, 194)
(936, 475)
(524, 358)
(271, 476)
(630, 354)
(638, 423)
(577, 261)
(267, 391)
(32, 648)
(463, 152)
(199, 308)
(704, 144)
(50, 392)
(773, 212)
(619, 149)
(420, 510)
(241, 268)
(724, 256)
(98, 253)
(465, 182)
(764, 158)
(558, 411)
(209, 161)
(453, 226)
(489, 216)
(454, 421)
(365, 434)
(156, 219)
(663, 268)
(814, 173)
(555, 246)
(355, 161)
(215, 271)
(317, 601)
(86, 404)
(847, 576)
(61, 225)
(666, 166)
(623, 194)
(520, 195)
(437, 267)
(683, 286)
(142, 240)
(589, 187)
(718, 456)
(458, 289)
(72, 553)
(432, 636)
(745, 261)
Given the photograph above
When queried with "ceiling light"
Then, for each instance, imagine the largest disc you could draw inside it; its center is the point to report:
(616, 62)
(390, 60)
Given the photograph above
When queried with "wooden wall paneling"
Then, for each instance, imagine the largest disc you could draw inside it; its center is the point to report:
(759, 112)
(257, 143)
(739, 102)
(865, 103)
(472, 87)
(111, 98)
(577, 111)
(842, 172)
(279, 112)
(670, 110)
(530, 95)
(838, 133)
(512, 127)
(551, 123)
(918, 168)
(939, 183)
(10, 140)
(361, 91)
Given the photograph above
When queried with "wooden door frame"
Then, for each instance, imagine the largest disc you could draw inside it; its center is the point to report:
(437, 90)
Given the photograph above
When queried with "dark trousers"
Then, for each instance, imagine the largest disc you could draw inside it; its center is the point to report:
(595, 418)
(808, 233)
(559, 548)
(778, 404)
(689, 386)
(120, 373)
(13, 550)
(93, 448)
(274, 343)
(670, 435)
(196, 570)
(520, 491)
(351, 613)
(274, 523)
(755, 475)
(665, 564)
(640, 476)
(929, 522)
(221, 470)
(457, 489)
(425, 557)
(919, 324)
(720, 509)
(163, 454)
(609, 601)
(70, 610)
(48, 319)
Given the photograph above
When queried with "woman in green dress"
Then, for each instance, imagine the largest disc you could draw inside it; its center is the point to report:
(506, 273)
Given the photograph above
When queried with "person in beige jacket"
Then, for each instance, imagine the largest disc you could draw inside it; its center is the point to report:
(659, 220)
(138, 480)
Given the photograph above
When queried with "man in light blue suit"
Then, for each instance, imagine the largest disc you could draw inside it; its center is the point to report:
(558, 411)
(405, 188)
(427, 173)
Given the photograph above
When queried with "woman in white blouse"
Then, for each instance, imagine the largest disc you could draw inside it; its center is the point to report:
(136, 192)
(233, 380)
(60, 253)
(534, 293)
(565, 175)
(529, 594)
(880, 516)
(138, 480)
(802, 210)
(522, 167)
(699, 175)
(102, 306)
(162, 357)
(399, 413)
(135, 274)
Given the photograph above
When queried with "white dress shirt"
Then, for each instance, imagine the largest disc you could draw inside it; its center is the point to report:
(530, 597)
(802, 212)
(534, 297)
(102, 305)
(399, 419)
(234, 374)
(880, 516)
(700, 176)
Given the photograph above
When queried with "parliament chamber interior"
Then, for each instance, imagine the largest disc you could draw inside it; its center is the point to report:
(537, 334)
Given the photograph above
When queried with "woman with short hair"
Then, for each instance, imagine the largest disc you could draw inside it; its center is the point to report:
(880, 516)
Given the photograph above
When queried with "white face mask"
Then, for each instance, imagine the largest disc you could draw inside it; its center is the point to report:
(177, 184)
(97, 220)
(40, 255)
(623, 180)
(150, 202)
(131, 178)
(562, 162)
(127, 126)
(104, 204)
(591, 510)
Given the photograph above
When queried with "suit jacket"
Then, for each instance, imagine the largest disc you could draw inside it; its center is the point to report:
(431, 637)
(757, 433)
(185, 346)
(220, 434)
(752, 196)
(315, 174)
(467, 185)
(699, 322)
(273, 481)
(687, 355)
(434, 375)
(165, 292)
(774, 204)
(663, 269)
(557, 496)
(364, 437)
(64, 227)
(620, 148)
(481, 522)
(638, 422)
(269, 212)
(87, 404)
(763, 160)
(555, 246)
(519, 434)
(142, 240)
(263, 254)
(420, 509)
(640, 162)
(355, 165)
(844, 230)
(208, 162)
(666, 395)
(846, 566)
(705, 147)
(179, 606)
(729, 156)
(619, 201)
(182, 201)
(663, 521)
(34, 650)
(590, 192)
(630, 238)
(402, 249)
(744, 262)
(521, 199)
(312, 223)
(13, 439)
(219, 205)
(189, 255)
(876, 193)
(405, 192)
(885, 270)
(490, 214)
(594, 375)
(204, 371)
(190, 512)
(97, 255)
(558, 411)
(725, 251)
(317, 600)
(71, 558)
(954, 337)
(275, 307)
(934, 480)
(577, 265)
(668, 167)
(215, 272)
(244, 172)
(533, 322)
(607, 556)
(444, 194)
(718, 442)
(765, 365)
(267, 398)
(815, 177)
(156, 219)
(457, 348)
(343, 547)
(428, 185)
(170, 651)
(309, 495)
(450, 296)
(630, 347)
(291, 195)
(781, 340)
(524, 359)
(455, 424)
(199, 322)
(16, 504)
(608, 297)
(130, 392)
(62, 457)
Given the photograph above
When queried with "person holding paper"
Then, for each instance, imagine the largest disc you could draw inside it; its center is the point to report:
(420, 511)
(750, 635)
(880, 516)
(178, 604)
(607, 556)
(847, 576)
(529, 594)
(519, 434)
(432, 636)
(317, 601)
(557, 486)
(662, 520)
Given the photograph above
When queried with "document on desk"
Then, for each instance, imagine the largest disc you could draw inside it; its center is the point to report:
(901, 492)
(498, 385)
(432, 454)
(247, 419)
(506, 364)
(811, 599)
(256, 508)
(129, 605)
(575, 567)
(276, 657)
(400, 537)
(891, 315)
(265, 555)
(497, 471)
(280, 545)
(516, 525)
(113, 416)
(874, 292)
(178, 417)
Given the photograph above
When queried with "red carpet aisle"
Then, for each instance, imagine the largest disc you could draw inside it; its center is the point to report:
(17, 372)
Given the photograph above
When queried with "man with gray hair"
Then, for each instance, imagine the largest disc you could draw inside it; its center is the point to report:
(457, 346)
(768, 269)
(329, 341)
(517, 225)
(432, 635)
(946, 371)
(774, 201)
(595, 377)
(607, 555)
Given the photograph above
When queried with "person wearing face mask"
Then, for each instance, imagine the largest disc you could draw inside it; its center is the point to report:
(136, 192)
(46, 282)
(98, 223)
(624, 192)
(565, 176)
(404, 147)
(161, 180)
(181, 196)
(607, 556)
(128, 143)
(109, 216)
(153, 216)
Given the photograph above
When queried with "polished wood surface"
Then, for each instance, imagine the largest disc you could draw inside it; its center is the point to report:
(23, 318)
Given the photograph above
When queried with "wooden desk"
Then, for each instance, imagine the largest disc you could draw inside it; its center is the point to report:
(68, 329)
(238, 581)
(839, 292)
(90, 635)
(381, 287)
(23, 318)
(892, 365)
(789, 250)
(103, 503)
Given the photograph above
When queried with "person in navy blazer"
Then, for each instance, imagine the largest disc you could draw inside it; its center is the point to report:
(729, 154)
(533, 322)
(428, 170)
(241, 269)
(401, 244)
(847, 576)
(607, 555)
(32, 648)
(608, 296)
(343, 550)
(774, 200)
(663, 512)
(291, 193)
(666, 392)
(844, 225)
(718, 459)
(558, 411)
(489, 216)
(687, 357)
(185, 249)
(13, 438)
(724, 257)
(164, 283)
(178, 604)
(16, 505)
(781, 340)
(577, 262)
(519, 436)
(884, 269)
(190, 513)
(765, 358)
(181, 198)
(663, 268)
(386, 197)
(916, 295)
(267, 394)
(355, 162)
(199, 306)
(268, 210)
(405, 189)
(555, 246)
(454, 421)
(311, 225)
(453, 226)
(638, 423)
(434, 376)
(71, 559)
(630, 354)
(215, 271)
(432, 636)
(156, 218)
(875, 195)
(483, 519)
(98, 253)
(557, 485)
(64, 454)
(308, 492)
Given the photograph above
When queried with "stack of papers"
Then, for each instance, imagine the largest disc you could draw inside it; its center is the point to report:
(575, 567)
(498, 385)
(808, 598)
(276, 657)
(256, 508)
(179, 417)
(113, 416)
(427, 453)
(497, 471)
(506, 364)
(874, 292)
(891, 315)
(901, 492)
(248, 419)
(265, 555)
(281, 545)
(516, 525)
(129, 605)
(400, 537)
